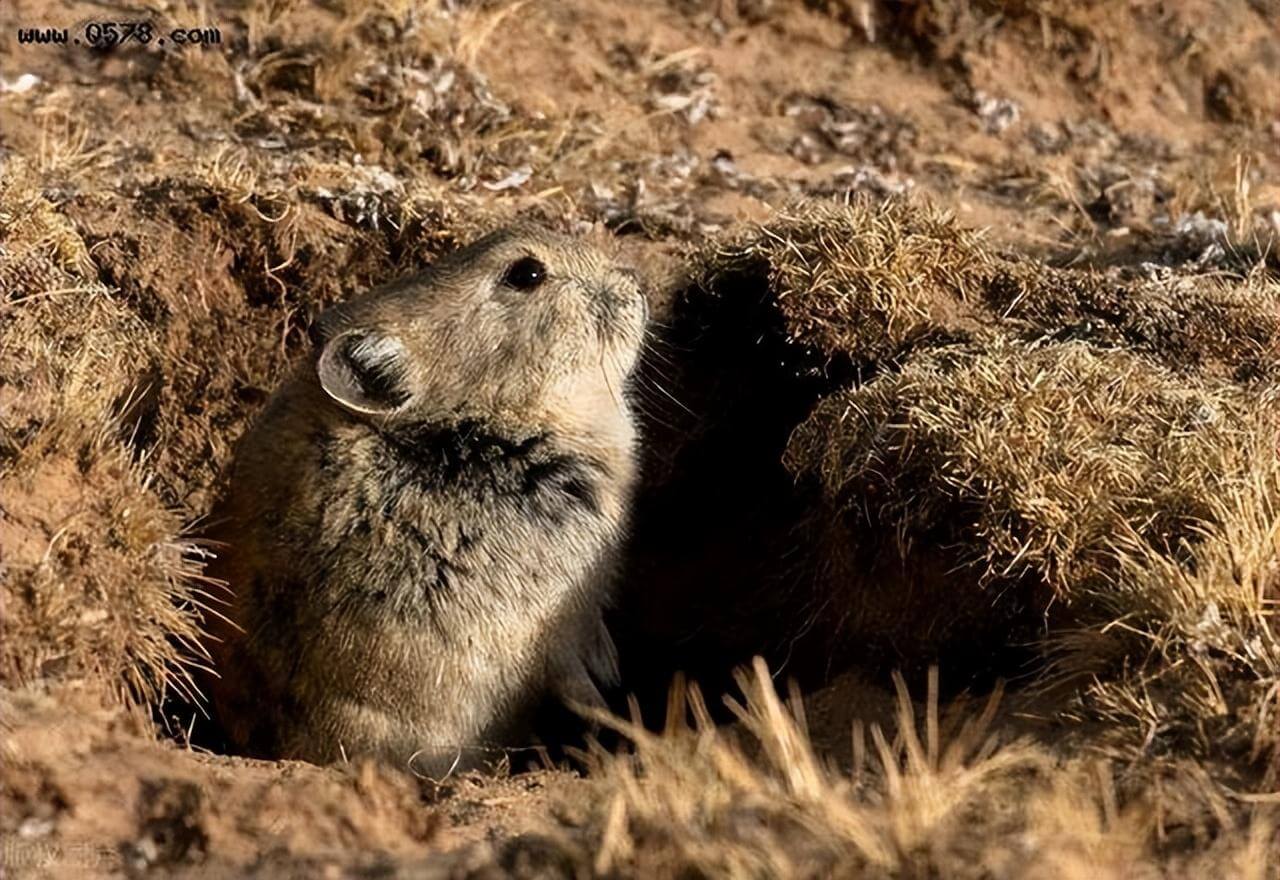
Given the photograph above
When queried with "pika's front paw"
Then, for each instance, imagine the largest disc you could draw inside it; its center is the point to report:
(579, 674)
(601, 656)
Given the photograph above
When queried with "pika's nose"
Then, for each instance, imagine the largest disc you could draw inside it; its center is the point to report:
(616, 295)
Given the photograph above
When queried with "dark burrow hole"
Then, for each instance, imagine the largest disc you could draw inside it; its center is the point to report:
(733, 557)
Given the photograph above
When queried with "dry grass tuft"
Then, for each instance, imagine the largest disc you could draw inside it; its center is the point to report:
(940, 796)
(865, 279)
(97, 579)
(100, 584)
(1036, 458)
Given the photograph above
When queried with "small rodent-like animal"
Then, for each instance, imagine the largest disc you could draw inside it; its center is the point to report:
(422, 527)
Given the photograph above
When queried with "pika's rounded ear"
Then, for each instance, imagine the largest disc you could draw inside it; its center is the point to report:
(365, 371)
(327, 325)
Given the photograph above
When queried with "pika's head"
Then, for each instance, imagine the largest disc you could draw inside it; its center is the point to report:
(522, 331)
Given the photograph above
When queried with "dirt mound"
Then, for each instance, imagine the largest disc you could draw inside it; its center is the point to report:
(1081, 489)
(868, 281)
(99, 586)
(189, 814)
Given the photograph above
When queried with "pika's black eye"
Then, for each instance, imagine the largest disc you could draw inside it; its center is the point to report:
(525, 273)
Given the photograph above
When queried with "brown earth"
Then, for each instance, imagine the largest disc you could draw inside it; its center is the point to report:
(172, 218)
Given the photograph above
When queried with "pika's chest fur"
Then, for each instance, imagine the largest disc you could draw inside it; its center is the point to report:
(451, 529)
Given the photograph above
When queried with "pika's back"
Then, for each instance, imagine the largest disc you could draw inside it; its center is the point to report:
(423, 523)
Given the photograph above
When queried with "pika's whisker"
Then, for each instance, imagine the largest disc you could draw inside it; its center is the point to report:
(659, 387)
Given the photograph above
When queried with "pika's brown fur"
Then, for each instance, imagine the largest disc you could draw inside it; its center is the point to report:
(423, 525)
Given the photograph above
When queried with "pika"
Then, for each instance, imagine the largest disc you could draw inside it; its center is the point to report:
(423, 525)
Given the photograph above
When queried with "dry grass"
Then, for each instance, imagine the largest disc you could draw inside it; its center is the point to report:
(98, 578)
(869, 280)
(1139, 506)
(100, 584)
(940, 796)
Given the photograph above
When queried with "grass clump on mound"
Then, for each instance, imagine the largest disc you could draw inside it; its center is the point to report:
(869, 280)
(96, 582)
(1097, 451)
(863, 281)
(1138, 507)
